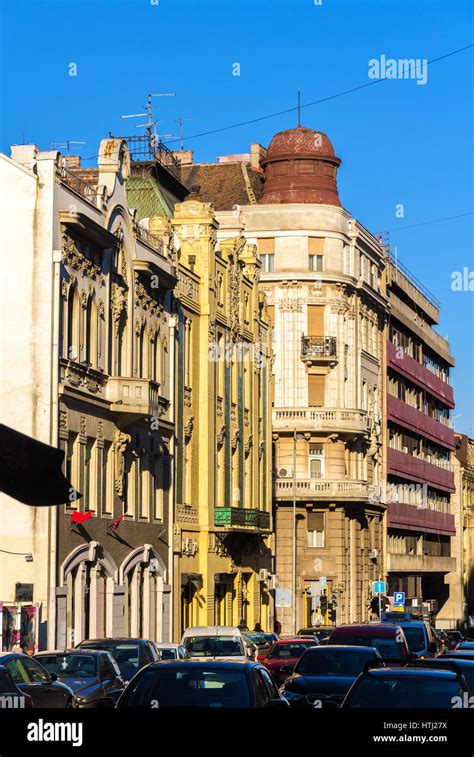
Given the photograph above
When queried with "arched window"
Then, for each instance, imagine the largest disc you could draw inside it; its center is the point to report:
(73, 324)
(91, 331)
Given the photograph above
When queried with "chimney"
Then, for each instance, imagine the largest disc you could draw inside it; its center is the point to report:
(24, 154)
(185, 157)
(257, 153)
(73, 162)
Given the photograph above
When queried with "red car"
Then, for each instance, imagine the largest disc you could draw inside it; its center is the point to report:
(283, 655)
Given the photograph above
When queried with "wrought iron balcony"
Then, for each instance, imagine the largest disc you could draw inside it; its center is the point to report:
(73, 181)
(318, 348)
(242, 517)
(144, 148)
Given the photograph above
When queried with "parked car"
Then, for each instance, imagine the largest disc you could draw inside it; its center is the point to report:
(11, 696)
(203, 683)
(444, 640)
(35, 681)
(411, 687)
(283, 655)
(317, 632)
(387, 638)
(326, 673)
(465, 665)
(217, 641)
(455, 638)
(260, 640)
(92, 675)
(466, 646)
(171, 652)
(130, 654)
(421, 640)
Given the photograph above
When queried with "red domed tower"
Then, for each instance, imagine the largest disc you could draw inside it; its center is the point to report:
(300, 166)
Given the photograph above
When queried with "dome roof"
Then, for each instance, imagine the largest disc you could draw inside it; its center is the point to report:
(300, 166)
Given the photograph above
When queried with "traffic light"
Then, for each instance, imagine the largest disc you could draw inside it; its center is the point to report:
(323, 600)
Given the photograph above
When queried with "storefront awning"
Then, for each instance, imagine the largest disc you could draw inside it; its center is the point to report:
(31, 471)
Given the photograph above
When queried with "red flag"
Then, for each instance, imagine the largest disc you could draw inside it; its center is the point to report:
(113, 526)
(78, 517)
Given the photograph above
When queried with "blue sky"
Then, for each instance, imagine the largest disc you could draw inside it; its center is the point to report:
(400, 142)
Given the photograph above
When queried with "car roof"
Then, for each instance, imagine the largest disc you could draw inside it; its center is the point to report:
(111, 639)
(206, 662)
(212, 631)
(340, 648)
(70, 651)
(316, 628)
(167, 645)
(411, 673)
(372, 629)
(293, 640)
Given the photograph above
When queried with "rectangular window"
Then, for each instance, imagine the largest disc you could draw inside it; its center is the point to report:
(90, 479)
(108, 479)
(158, 482)
(315, 390)
(268, 263)
(315, 262)
(315, 526)
(145, 483)
(316, 462)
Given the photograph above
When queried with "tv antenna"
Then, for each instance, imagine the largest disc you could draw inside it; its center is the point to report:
(150, 125)
(67, 144)
(181, 121)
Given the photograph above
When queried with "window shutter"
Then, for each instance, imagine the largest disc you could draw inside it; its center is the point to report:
(315, 391)
(315, 522)
(266, 246)
(315, 320)
(315, 246)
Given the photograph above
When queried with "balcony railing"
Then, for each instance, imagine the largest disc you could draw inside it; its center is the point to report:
(323, 419)
(409, 517)
(422, 471)
(409, 417)
(144, 148)
(320, 488)
(318, 347)
(145, 236)
(241, 517)
(401, 362)
(78, 185)
(136, 396)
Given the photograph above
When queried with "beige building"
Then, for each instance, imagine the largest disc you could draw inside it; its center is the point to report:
(463, 508)
(323, 275)
(87, 344)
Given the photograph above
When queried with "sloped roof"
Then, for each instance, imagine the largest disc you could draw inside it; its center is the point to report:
(223, 184)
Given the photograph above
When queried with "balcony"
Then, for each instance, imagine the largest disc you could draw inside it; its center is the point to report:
(413, 419)
(136, 397)
(416, 469)
(305, 489)
(321, 419)
(241, 517)
(411, 518)
(319, 349)
(413, 370)
(420, 563)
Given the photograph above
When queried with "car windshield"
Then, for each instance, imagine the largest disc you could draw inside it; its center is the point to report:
(214, 646)
(331, 663)
(282, 651)
(260, 638)
(386, 646)
(77, 665)
(126, 655)
(167, 654)
(415, 638)
(405, 692)
(189, 687)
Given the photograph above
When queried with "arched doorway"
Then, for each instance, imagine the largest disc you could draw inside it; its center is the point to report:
(143, 576)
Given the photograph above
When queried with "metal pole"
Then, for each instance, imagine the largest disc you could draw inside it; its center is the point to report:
(380, 602)
(293, 592)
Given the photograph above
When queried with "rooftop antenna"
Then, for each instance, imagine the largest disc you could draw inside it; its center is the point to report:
(299, 108)
(150, 125)
(67, 144)
(181, 121)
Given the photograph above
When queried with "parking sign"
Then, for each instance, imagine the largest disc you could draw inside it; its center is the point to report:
(399, 599)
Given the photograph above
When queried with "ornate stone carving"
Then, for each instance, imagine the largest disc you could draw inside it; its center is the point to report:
(235, 439)
(101, 307)
(100, 429)
(63, 425)
(188, 428)
(83, 298)
(121, 441)
(83, 425)
(119, 303)
(261, 448)
(221, 436)
(74, 258)
(216, 545)
(64, 288)
(291, 305)
(248, 445)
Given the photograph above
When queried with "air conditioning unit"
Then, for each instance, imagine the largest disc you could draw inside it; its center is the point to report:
(262, 574)
(285, 473)
(272, 583)
(374, 553)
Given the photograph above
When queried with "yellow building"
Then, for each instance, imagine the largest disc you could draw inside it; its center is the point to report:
(222, 571)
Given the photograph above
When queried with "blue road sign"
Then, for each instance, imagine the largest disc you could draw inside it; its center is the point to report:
(399, 599)
(379, 587)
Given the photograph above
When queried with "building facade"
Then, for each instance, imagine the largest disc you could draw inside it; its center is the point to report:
(420, 480)
(223, 555)
(463, 500)
(90, 338)
(323, 276)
